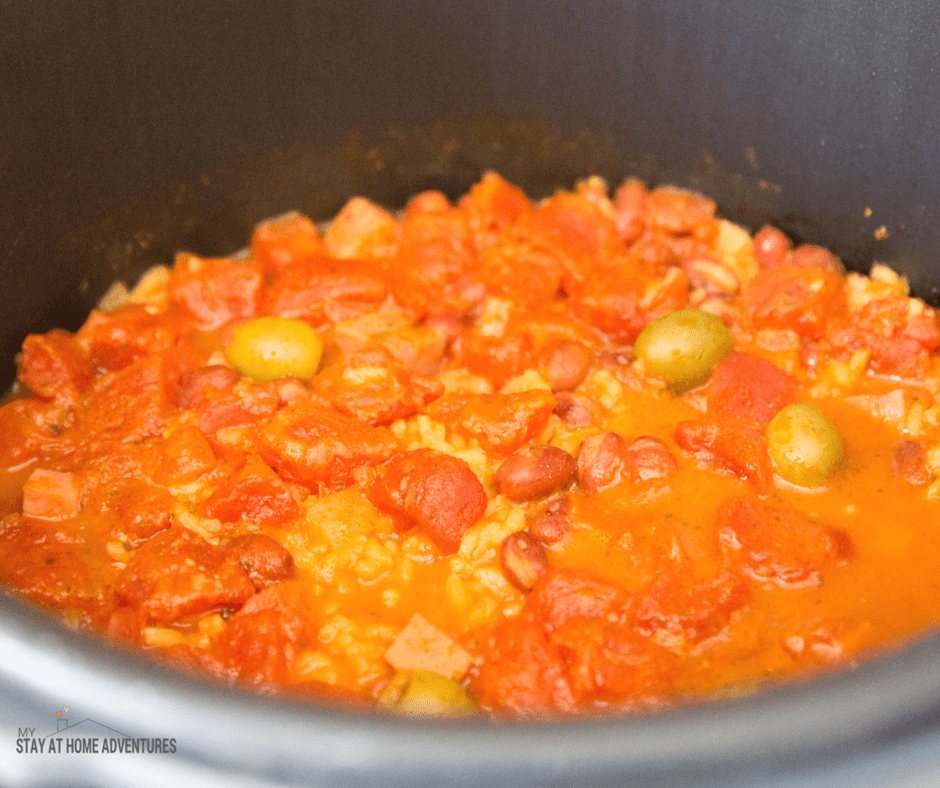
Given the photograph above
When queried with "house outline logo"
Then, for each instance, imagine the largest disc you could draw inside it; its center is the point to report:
(87, 737)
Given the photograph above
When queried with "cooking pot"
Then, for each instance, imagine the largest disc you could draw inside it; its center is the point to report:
(131, 130)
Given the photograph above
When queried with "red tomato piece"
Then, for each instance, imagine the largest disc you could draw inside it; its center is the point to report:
(578, 225)
(751, 388)
(501, 423)
(261, 642)
(803, 300)
(127, 405)
(612, 663)
(361, 229)
(179, 459)
(776, 544)
(728, 445)
(491, 206)
(372, 386)
(278, 242)
(609, 300)
(522, 672)
(563, 594)
(325, 291)
(255, 494)
(135, 509)
(312, 443)
(900, 343)
(678, 611)
(213, 292)
(114, 339)
(678, 212)
(522, 270)
(436, 492)
(53, 363)
(435, 269)
(28, 427)
(630, 201)
(178, 573)
(55, 567)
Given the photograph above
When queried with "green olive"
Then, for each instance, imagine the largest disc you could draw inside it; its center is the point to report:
(804, 444)
(268, 348)
(683, 347)
(423, 693)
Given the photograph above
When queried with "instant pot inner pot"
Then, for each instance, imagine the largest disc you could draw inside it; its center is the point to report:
(130, 132)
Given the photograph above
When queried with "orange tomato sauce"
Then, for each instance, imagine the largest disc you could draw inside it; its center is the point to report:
(482, 479)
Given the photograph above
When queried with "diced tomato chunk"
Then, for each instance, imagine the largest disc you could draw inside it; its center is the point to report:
(312, 443)
(435, 268)
(28, 426)
(610, 662)
(180, 458)
(262, 641)
(436, 492)
(777, 544)
(223, 401)
(491, 206)
(49, 564)
(803, 300)
(191, 389)
(255, 494)
(579, 226)
(522, 672)
(114, 339)
(361, 229)
(177, 573)
(129, 404)
(749, 387)
(677, 211)
(521, 269)
(728, 445)
(215, 291)
(54, 362)
(278, 242)
(898, 340)
(374, 388)
(325, 291)
(610, 301)
(678, 611)
(563, 594)
(501, 423)
(136, 509)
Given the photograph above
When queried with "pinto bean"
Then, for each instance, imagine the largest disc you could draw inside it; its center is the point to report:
(601, 461)
(551, 525)
(910, 463)
(567, 365)
(770, 247)
(533, 472)
(648, 458)
(264, 560)
(523, 560)
(573, 410)
(810, 256)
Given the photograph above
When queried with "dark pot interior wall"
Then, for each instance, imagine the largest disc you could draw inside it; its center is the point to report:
(132, 129)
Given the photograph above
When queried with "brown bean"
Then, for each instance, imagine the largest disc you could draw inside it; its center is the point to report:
(810, 256)
(523, 560)
(552, 525)
(770, 246)
(567, 365)
(648, 458)
(573, 410)
(264, 560)
(910, 463)
(712, 277)
(533, 472)
(191, 385)
(601, 461)
(630, 202)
